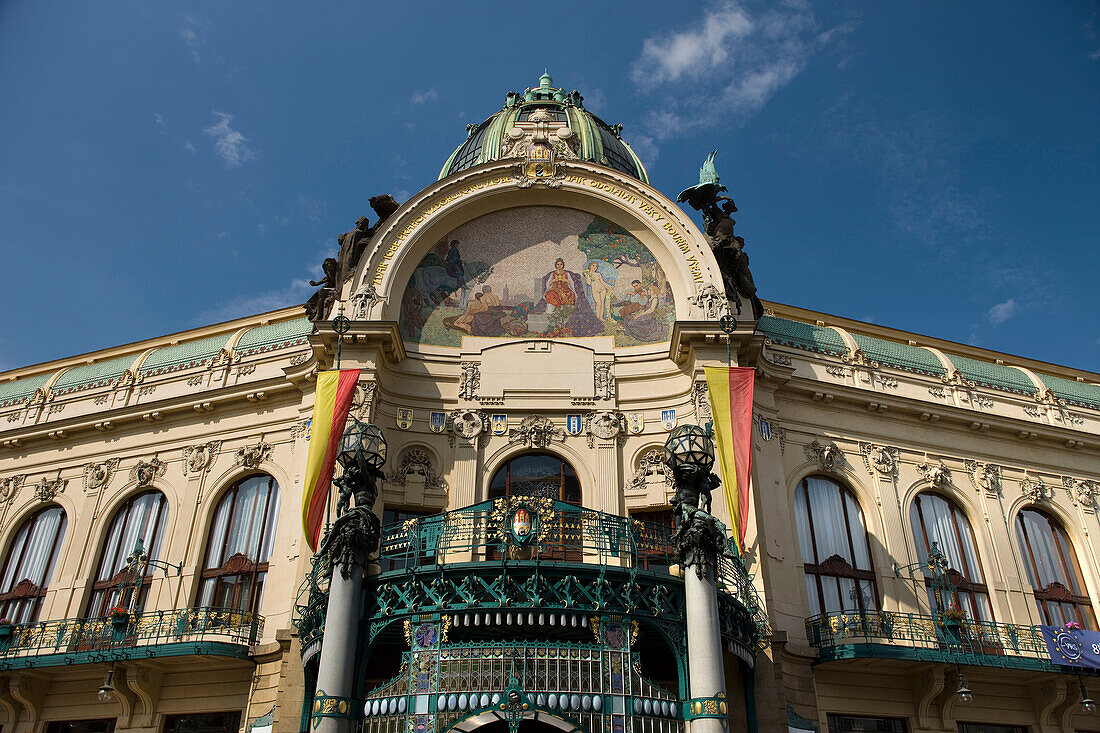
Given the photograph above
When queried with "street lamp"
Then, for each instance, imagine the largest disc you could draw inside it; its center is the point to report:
(964, 693)
(364, 442)
(689, 446)
(1087, 703)
(107, 691)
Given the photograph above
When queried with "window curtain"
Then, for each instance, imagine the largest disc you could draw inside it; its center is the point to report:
(830, 522)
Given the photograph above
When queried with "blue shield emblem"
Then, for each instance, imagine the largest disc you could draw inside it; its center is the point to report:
(668, 419)
(573, 424)
(765, 429)
(437, 421)
(499, 424)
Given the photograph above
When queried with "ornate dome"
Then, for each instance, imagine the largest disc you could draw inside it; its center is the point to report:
(575, 132)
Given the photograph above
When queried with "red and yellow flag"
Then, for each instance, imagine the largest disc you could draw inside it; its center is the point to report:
(730, 391)
(335, 391)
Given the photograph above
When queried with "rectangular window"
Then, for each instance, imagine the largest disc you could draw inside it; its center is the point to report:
(101, 725)
(227, 722)
(985, 728)
(863, 724)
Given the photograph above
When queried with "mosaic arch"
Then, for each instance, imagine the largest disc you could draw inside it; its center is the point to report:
(538, 271)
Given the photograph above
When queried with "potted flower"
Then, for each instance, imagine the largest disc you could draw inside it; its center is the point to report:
(119, 617)
(951, 618)
(1073, 625)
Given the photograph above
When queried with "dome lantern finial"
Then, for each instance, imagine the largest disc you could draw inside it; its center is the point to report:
(546, 81)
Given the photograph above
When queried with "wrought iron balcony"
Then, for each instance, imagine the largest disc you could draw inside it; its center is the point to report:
(574, 559)
(930, 638)
(183, 632)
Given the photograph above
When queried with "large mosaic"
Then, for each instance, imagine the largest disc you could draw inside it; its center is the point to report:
(538, 271)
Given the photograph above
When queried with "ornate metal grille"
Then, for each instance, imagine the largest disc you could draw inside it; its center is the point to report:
(597, 688)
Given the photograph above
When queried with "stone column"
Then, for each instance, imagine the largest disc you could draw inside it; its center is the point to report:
(706, 675)
(336, 669)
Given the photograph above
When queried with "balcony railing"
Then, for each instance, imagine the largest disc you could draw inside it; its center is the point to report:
(887, 634)
(187, 631)
(575, 558)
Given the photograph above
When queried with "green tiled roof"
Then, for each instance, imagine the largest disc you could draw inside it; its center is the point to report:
(803, 335)
(900, 356)
(1081, 394)
(997, 376)
(183, 356)
(274, 336)
(89, 376)
(21, 390)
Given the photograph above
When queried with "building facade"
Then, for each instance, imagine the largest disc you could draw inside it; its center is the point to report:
(529, 328)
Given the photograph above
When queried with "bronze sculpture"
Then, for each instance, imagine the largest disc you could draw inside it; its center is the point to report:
(319, 303)
(353, 244)
(727, 247)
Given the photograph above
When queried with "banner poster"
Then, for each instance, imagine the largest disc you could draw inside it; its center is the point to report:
(1072, 647)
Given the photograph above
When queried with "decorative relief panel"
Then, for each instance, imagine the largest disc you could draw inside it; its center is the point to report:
(606, 424)
(469, 381)
(199, 458)
(364, 299)
(1080, 491)
(651, 468)
(98, 475)
(1033, 488)
(936, 474)
(468, 423)
(9, 487)
(144, 473)
(826, 455)
(984, 476)
(363, 400)
(251, 456)
(416, 467)
(712, 302)
(46, 489)
(603, 382)
(536, 431)
(882, 460)
(700, 398)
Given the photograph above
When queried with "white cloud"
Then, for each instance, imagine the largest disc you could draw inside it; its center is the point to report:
(229, 144)
(1092, 33)
(1001, 312)
(246, 305)
(693, 52)
(189, 147)
(426, 96)
(159, 119)
(728, 65)
(190, 36)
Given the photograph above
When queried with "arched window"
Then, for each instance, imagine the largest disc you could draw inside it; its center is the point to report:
(30, 564)
(1053, 570)
(536, 474)
(937, 520)
(835, 551)
(240, 545)
(545, 476)
(142, 517)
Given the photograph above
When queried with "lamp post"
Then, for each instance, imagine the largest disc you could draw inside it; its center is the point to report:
(698, 539)
(350, 541)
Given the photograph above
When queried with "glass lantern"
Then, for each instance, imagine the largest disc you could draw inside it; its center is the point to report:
(689, 446)
(362, 438)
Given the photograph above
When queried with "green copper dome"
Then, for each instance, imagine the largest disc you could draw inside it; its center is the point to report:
(591, 138)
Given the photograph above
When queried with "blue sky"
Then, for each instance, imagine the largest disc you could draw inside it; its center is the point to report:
(927, 166)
